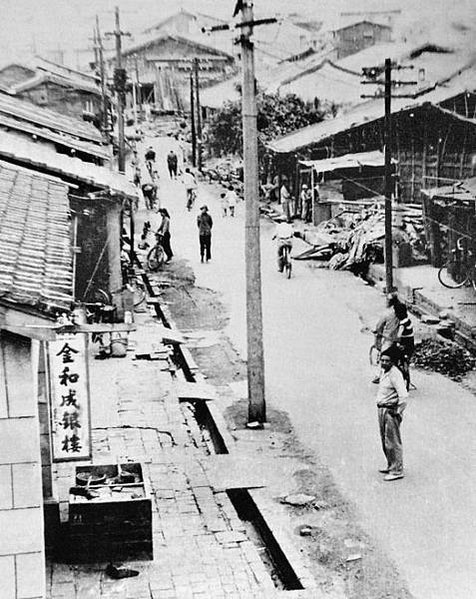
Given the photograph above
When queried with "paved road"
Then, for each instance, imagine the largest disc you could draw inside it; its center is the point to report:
(317, 369)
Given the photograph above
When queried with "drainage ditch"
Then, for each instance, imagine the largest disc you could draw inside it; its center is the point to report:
(280, 569)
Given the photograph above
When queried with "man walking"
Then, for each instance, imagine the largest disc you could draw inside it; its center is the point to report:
(172, 162)
(205, 224)
(391, 402)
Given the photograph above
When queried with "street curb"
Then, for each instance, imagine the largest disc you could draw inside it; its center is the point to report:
(267, 509)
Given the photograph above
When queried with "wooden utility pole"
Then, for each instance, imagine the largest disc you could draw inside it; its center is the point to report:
(199, 116)
(120, 95)
(102, 74)
(138, 92)
(388, 177)
(192, 117)
(254, 317)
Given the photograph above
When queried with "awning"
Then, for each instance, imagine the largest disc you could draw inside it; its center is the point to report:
(348, 161)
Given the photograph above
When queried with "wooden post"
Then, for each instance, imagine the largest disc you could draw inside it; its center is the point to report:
(255, 364)
(192, 117)
(121, 159)
(199, 116)
(105, 126)
(388, 178)
(113, 226)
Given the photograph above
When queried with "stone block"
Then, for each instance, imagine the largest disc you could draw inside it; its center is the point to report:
(19, 440)
(22, 531)
(6, 497)
(26, 485)
(30, 575)
(7, 576)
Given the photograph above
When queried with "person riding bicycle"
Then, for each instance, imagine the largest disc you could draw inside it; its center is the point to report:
(150, 159)
(405, 343)
(284, 234)
(149, 191)
(190, 186)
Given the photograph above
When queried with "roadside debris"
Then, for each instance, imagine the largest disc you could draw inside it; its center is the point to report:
(354, 239)
(119, 572)
(443, 357)
(297, 499)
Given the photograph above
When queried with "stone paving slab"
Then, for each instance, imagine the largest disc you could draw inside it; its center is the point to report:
(201, 548)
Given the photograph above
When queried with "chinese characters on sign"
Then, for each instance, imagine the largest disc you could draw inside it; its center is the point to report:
(70, 414)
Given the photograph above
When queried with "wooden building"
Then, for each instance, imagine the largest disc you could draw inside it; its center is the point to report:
(434, 138)
(59, 88)
(163, 64)
(359, 35)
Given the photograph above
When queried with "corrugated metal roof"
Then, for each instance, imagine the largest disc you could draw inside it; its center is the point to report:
(374, 158)
(35, 244)
(40, 155)
(61, 139)
(361, 114)
(26, 111)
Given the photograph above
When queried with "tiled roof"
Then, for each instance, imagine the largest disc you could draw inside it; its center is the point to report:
(10, 123)
(40, 155)
(23, 110)
(35, 244)
(45, 77)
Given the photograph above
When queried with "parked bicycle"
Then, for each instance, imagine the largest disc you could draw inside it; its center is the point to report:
(459, 269)
(156, 256)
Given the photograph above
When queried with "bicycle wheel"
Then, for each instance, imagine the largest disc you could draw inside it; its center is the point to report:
(96, 295)
(453, 275)
(288, 268)
(156, 257)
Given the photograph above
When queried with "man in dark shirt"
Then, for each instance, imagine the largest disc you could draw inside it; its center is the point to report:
(205, 224)
(172, 164)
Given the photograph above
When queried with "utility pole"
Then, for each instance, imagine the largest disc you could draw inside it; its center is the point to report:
(372, 74)
(102, 74)
(254, 315)
(120, 85)
(199, 116)
(388, 181)
(138, 92)
(192, 117)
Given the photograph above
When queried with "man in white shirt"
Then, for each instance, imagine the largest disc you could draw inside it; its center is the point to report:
(284, 235)
(391, 402)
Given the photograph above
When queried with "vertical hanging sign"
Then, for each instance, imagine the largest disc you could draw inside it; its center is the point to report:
(70, 407)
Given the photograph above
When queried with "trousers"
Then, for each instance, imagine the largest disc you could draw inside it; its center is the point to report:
(389, 424)
(205, 246)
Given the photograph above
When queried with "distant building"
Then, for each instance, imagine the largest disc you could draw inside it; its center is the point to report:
(359, 35)
(163, 62)
(51, 85)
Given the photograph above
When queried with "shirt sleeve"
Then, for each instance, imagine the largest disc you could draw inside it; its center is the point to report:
(211, 222)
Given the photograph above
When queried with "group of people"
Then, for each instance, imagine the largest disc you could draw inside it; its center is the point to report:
(394, 339)
(301, 207)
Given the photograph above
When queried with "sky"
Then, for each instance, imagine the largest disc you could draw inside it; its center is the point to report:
(29, 26)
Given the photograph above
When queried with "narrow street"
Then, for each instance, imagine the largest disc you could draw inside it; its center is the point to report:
(316, 334)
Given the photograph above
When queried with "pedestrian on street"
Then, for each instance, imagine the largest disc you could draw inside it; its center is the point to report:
(285, 198)
(405, 340)
(224, 203)
(306, 203)
(386, 329)
(232, 200)
(391, 402)
(150, 159)
(172, 162)
(164, 232)
(205, 224)
(149, 191)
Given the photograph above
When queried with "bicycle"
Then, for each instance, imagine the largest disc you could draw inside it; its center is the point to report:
(156, 256)
(459, 269)
(286, 261)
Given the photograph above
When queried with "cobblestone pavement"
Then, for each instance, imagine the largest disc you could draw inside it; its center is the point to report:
(200, 546)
